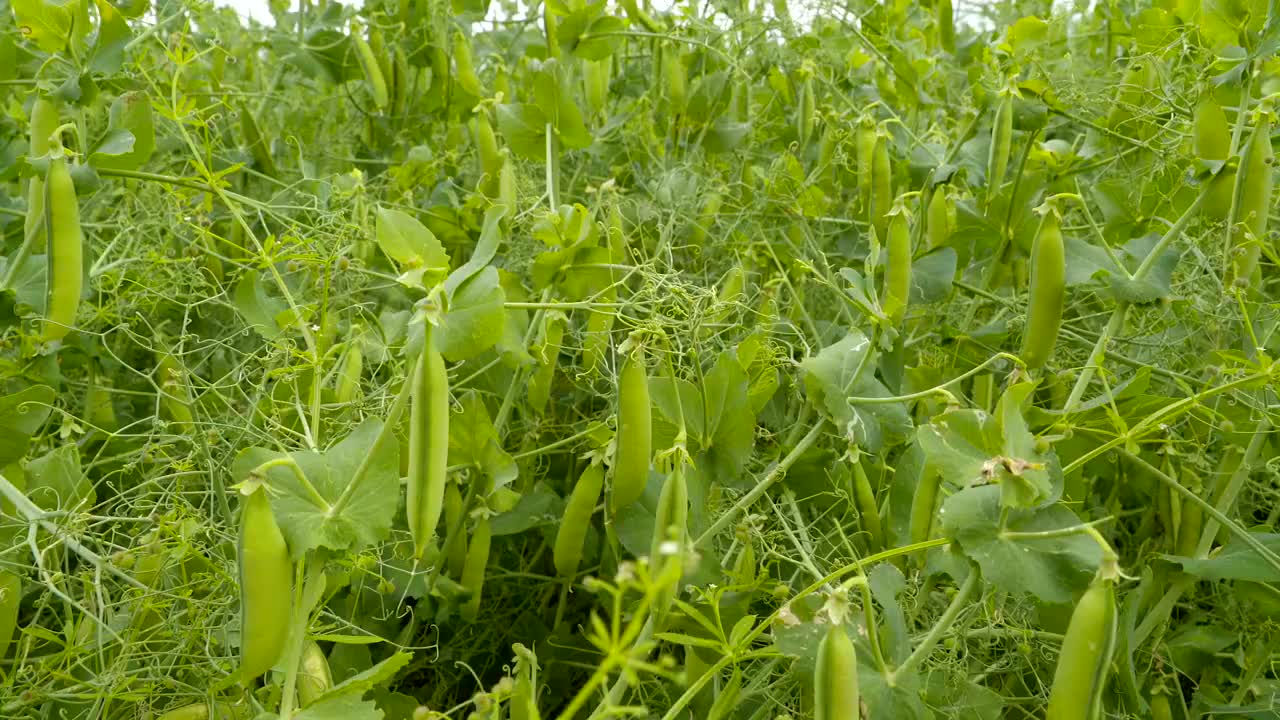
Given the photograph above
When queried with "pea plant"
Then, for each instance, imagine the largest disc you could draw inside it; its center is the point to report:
(727, 360)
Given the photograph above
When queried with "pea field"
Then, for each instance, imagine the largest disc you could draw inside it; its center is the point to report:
(726, 360)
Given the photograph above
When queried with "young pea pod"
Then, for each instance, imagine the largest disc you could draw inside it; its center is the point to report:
(806, 107)
(314, 677)
(567, 553)
(1047, 295)
(455, 554)
(635, 435)
(1254, 185)
(706, 217)
(175, 395)
(259, 146)
(371, 67)
(946, 25)
(864, 139)
(44, 120)
(473, 571)
(1001, 144)
(1084, 662)
(924, 504)
(266, 587)
(836, 677)
(637, 15)
(670, 527)
(595, 81)
(548, 355)
(401, 78)
(10, 602)
(600, 322)
(65, 277)
(897, 269)
(1212, 139)
(206, 711)
(428, 445)
(348, 380)
(466, 71)
(507, 183)
(490, 157)
(1137, 82)
(868, 512)
(938, 218)
(881, 185)
(675, 79)
(1191, 519)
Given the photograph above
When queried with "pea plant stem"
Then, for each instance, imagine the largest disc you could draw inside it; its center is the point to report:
(939, 629)
(776, 473)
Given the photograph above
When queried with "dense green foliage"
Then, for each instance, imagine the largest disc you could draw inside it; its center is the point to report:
(611, 362)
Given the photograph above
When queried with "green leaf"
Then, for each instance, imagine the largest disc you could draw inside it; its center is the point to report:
(21, 415)
(1234, 561)
(407, 241)
(485, 250)
(900, 701)
(113, 36)
(536, 508)
(474, 442)
(259, 310)
(728, 435)
(524, 127)
(842, 371)
(590, 36)
(725, 135)
(475, 321)
(305, 510)
(887, 583)
(46, 22)
(932, 276)
(1026, 35)
(1052, 569)
(130, 137)
(56, 482)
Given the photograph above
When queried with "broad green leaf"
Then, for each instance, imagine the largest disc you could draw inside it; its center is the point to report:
(902, 700)
(21, 415)
(1234, 561)
(728, 434)
(887, 583)
(130, 137)
(843, 371)
(476, 320)
(46, 22)
(259, 310)
(408, 242)
(589, 35)
(113, 37)
(305, 509)
(524, 127)
(1051, 568)
(485, 249)
(357, 685)
(56, 482)
(536, 508)
(932, 276)
(474, 442)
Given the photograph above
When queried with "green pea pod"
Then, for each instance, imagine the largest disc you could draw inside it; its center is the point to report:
(638, 15)
(10, 603)
(1254, 185)
(378, 44)
(670, 528)
(1001, 145)
(175, 395)
(64, 279)
(567, 554)
(1137, 81)
(466, 71)
(635, 435)
(1161, 709)
(548, 359)
(258, 145)
(455, 555)
(428, 445)
(924, 504)
(44, 120)
(1047, 295)
(1212, 138)
(706, 217)
(865, 146)
(881, 185)
(938, 218)
(868, 511)
(595, 81)
(371, 68)
(473, 571)
(600, 321)
(487, 147)
(348, 380)
(836, 677)
(1191, 521)
(806, 110)
(266, 587)
(507, 183)
(401, 78)
(897, 272)
(314, 677)
(946, 25)
(207, 711)
(1084, 662)
(676, 80)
